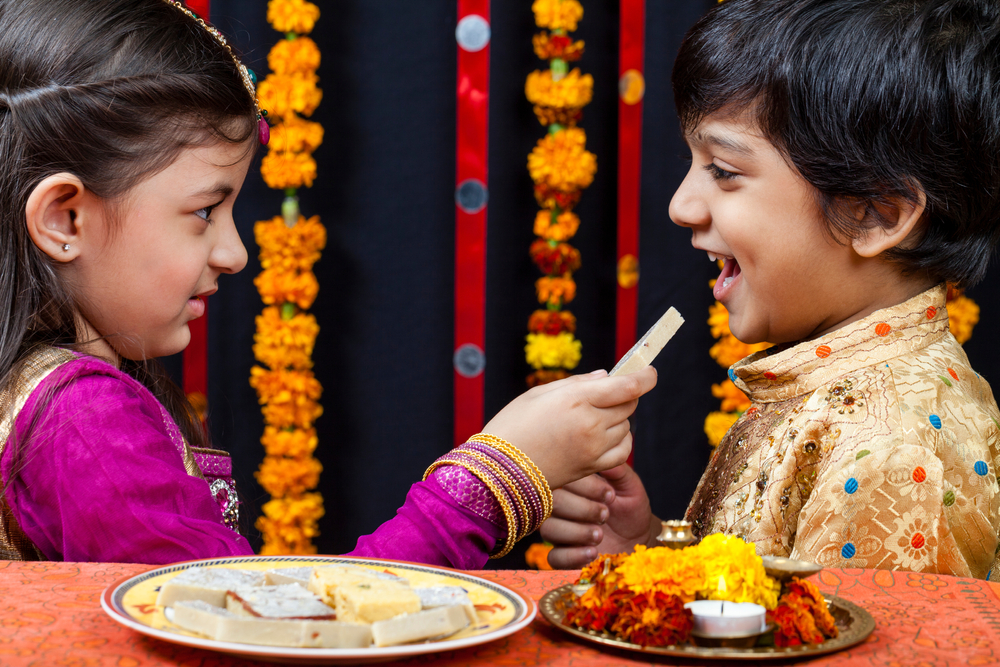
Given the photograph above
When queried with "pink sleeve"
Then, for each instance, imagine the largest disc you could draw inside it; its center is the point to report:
(101, 479)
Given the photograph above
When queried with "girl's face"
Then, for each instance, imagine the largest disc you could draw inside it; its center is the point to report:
(785, 279)
(142, 278)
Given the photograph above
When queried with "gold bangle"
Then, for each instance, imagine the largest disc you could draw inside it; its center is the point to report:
(505, 477)
(523, 462)
(501, 497)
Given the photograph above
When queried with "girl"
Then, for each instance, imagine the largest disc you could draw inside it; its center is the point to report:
(126, 130)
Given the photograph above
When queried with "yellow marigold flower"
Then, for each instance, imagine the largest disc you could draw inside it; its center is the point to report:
(963, 315)
(552, 227)
(294, 56)
(728, 350)
(559, 351)
(555, 291)
(277, 286)
(537, 556)
(296, 16)
(295, 135)
(289, 524)
(297, 443)
(281, 95)
(281, 476)
(560, 160)
(288, 170)
(734, 572)
(717, 424)
(669, 571)
(288, 398)
(570, 92)
(733, 399)
(294, 248)
(718, 320)
(557, 14)
(282, 343)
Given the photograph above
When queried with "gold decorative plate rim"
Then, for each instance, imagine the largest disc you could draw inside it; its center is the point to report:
(112, 601)
(861, 625)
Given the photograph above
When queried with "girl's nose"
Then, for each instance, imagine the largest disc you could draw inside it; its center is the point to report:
(229, 254)
(687, 207)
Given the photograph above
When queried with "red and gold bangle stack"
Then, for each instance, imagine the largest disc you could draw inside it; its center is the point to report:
(518, 485)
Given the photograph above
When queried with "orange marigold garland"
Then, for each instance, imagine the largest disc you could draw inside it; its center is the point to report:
(289, 246)
(561, 167)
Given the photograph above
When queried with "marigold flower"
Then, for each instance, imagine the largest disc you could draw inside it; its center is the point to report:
(282, 476)
(552, 322)
(963, 315)
(537, 556)
(545, 376)
(549, 46)
(717, 424)
(554, 259)
(289, 524)
(295, 443)
(557, 14)
(733, 398)
(277, 286)
(559, 351)
(281, 343)
(556, 227)
(288, 398)
(560, 160)
(296, 16)
(550, 198)
(296, 135)
(667, 571)
(294, 56)
(282, 95)
(801, 616)
(572, 91)
(555, 291)
(734, 572)
(553, 116)
(282, 171)
(294, 248)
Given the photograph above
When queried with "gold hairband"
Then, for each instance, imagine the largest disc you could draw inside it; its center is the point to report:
(247, 74)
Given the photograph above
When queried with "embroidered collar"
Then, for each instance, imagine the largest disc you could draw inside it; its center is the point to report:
(784, 372)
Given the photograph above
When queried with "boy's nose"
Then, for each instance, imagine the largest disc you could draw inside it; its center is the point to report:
(687, 209)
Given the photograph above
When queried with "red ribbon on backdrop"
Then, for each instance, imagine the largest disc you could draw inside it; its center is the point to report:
(632, 29)
(472, 115)
(195, 360)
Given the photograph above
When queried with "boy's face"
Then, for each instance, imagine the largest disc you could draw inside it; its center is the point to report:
(785, 279)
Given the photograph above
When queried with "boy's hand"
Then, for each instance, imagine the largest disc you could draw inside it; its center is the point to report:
(574, 427)
(605, 513)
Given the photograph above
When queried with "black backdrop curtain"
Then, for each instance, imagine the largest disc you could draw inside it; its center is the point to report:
(386, 195)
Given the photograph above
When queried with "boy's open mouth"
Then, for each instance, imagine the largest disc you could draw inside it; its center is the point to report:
(730, 272)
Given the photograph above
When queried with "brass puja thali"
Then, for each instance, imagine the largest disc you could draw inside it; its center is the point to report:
(853, 622)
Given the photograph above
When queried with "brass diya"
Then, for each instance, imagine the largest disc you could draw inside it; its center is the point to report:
(676, 534)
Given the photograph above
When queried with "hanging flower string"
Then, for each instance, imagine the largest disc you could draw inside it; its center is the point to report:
(561, 167)
(963, 315)
(289, 246)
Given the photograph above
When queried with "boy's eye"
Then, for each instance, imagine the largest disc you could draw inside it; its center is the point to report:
(205, 213)
(718, 173)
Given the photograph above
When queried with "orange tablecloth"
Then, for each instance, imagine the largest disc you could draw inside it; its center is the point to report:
(50, 614)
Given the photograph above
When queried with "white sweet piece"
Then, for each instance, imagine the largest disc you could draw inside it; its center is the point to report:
(647, 347)
(421, 625)
(289, 575)
(208, 584)
(285, 601)
(433, 597)
(222, 625)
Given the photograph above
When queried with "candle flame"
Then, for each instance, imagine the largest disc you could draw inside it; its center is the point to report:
(722, 584)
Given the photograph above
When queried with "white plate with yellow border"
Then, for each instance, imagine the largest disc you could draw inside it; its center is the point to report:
(131, 601)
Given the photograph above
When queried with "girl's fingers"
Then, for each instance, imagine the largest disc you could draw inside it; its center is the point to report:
(617, 455)
(612, 391)
(571, 558)
(570, 506)
(560, 531)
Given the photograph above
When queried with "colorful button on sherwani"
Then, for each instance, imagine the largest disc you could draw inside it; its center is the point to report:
(874, 446)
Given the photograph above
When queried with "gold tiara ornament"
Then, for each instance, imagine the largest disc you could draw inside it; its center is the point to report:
(247, 74)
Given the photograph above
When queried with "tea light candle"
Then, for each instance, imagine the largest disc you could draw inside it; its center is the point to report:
(718, 618)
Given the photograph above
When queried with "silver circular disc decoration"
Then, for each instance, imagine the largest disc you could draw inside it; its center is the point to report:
(473, 33)
(470, 360)
(471, 195)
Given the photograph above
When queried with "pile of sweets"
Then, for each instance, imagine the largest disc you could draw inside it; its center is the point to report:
(640, 597)
(305, 607)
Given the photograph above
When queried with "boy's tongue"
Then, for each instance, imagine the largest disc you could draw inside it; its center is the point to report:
(730, 272)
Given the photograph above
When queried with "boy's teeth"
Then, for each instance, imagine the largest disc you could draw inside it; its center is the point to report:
(725, 283)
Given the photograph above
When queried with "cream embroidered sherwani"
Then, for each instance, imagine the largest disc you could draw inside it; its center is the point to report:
(874, 446)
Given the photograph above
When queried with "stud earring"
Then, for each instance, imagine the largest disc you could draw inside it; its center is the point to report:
(65, 247)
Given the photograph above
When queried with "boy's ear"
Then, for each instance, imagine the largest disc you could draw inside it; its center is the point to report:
(906, 215)
(53, 215)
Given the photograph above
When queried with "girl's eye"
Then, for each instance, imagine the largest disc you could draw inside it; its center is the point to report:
(718, 173)
(205, 213)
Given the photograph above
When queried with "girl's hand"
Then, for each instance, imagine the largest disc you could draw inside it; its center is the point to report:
(601, 514)
(574, 427)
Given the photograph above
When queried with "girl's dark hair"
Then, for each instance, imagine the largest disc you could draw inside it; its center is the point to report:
(871, 101)
(110, 91)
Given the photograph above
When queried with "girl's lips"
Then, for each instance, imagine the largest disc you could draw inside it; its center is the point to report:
(727, 280)
(197, 306)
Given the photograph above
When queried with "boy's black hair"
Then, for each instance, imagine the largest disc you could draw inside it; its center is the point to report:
(871, 101)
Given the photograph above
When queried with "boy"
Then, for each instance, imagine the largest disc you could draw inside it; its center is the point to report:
(845, 166)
